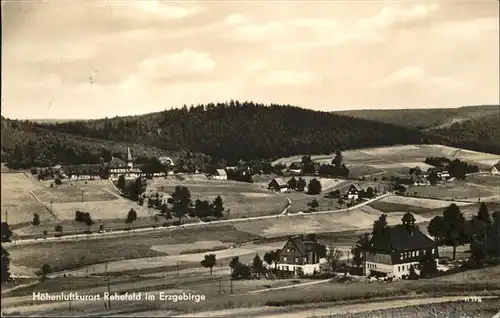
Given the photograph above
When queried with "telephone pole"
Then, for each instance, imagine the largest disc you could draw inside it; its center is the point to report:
(220, 285)
(177, 268)
(7, 216)
(82, 196)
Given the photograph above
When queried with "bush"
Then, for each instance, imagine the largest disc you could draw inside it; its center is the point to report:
(58, 181)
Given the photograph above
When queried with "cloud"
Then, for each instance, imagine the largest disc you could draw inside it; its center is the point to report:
(473, 28)
(157, 8)
(244, 29)
(405, 74)
(415, 75)
(234, 19)
(390, 16)
(185, 62)
(373, 29)
(285, 77)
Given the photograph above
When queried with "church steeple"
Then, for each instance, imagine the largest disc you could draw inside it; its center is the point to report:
(130, 163)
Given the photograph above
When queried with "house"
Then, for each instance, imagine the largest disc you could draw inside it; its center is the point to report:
(300, 252)
(82, 172)
(418, 180)
(495, 170)
(167, 161)
(278, 185)
(353, 192)
(296, 167)
(394, 250)
(117, 167)
(444, 175)
(220, 174)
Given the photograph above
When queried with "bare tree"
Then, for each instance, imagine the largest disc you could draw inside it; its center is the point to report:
(333, 257)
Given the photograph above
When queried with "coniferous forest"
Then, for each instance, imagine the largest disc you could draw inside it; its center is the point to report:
(229, 131)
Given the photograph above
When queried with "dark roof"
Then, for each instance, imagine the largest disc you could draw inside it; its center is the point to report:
(84, 168)
(408, 217)
(117, 163)
(356, 186)
(416, 178)
(280, 182)
(296, 164)
(398, 238)
(301, 241)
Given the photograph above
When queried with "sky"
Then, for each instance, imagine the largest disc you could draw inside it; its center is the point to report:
(95, 58)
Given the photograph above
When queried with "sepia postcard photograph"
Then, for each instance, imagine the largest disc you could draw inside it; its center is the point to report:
(251, 158)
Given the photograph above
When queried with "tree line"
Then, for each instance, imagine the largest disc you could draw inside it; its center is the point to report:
(457, 168)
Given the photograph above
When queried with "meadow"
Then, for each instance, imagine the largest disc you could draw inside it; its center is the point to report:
(397, 160)
(18, 203)
(241, 199)
(65, 255)
(453, 190)
(302, 301)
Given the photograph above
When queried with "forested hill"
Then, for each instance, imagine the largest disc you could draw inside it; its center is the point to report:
(25, 145)
(244, 131)
(424, 118)
(481, 133)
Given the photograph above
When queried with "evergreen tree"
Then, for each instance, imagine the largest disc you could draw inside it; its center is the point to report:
(218, 207)
(5, 265)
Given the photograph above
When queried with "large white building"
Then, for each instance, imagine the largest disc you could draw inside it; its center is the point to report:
(117, 167)
(394, 251)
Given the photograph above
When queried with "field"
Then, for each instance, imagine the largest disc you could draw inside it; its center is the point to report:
(18, 202)
(166, 247)
(299, 301)
(420, 202)
(486, 180)
(454, 190)
(23, 196)
(76, 191)
(242, 199)
(327, 184)
(398, 159)
(65, 255)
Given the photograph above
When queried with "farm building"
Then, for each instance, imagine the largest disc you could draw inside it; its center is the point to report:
(300, 252)
(397, 248)
(278, 185)
(353, 192)
(495, 170)
(219, 174)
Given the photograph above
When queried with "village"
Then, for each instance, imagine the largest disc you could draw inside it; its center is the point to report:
(275, 159)
(372, 237)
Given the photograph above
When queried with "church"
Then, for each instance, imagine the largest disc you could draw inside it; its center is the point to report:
(393, 251)
(117, 167)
